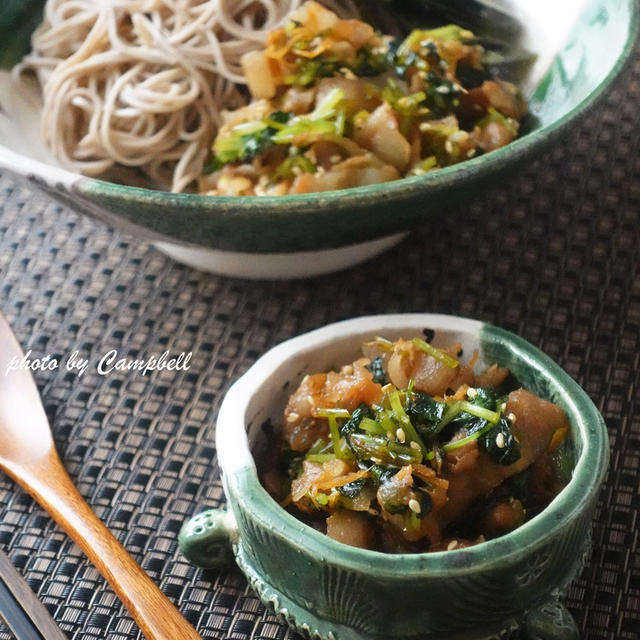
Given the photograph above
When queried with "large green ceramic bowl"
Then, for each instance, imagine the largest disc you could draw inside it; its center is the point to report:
(295, 236)
(331, 591)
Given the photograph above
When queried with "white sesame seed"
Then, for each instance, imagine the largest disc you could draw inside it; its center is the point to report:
(414, 505)
(459, 136)
(293, 417)
(443, 88)
(376, 460)
(452, 545)
(401, 435)
(334, 159)
(471, 153)
(347, 369)
(471, 392)
(511, 417)
(448, 146)
(414, 445)
(503, 407)
(500, 440)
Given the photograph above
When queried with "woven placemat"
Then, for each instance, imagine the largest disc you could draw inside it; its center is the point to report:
(552, 256)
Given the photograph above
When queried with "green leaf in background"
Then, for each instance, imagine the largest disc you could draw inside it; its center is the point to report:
(18, 19)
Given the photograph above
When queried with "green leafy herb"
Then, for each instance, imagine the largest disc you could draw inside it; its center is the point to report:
(487, 397)
(500, 444)
(320, 446)
(382, 472)
(479, 428)
(322, 499)
(320, 457)
(409, 106)
(451, 411)
(293, 163)
(304, 127)
(372, 426)
(377, 369)
(400, 417)
(425, 413)
(380, 448)
(441, 95)
(327, 118)
(422, 38)
(493, 115)
(339, 446)
(352, 489)
(246, 141)
(367, 63)
(353, 423)
(310, 69)
(438, 354)
(479, 411)
(422, 495)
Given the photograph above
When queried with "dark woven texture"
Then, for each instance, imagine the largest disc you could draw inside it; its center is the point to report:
(552, 256)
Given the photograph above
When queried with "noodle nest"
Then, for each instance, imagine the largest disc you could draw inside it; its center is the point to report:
(143, 83)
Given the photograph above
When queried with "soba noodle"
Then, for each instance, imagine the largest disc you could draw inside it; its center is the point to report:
(143, 83)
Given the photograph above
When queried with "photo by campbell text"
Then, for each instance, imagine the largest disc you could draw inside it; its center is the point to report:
(111, 361)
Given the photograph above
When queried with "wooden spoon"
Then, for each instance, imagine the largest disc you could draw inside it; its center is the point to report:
(28, 455)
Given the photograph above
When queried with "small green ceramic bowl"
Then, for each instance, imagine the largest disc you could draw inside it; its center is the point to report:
(331, 591)
(298, 236)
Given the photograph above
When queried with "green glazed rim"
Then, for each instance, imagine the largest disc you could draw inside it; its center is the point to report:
(247, 494)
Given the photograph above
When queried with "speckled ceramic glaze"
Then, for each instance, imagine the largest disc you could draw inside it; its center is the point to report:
(273, 237)
(332, 591)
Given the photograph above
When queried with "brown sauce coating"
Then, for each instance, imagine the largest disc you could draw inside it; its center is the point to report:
(408, 449)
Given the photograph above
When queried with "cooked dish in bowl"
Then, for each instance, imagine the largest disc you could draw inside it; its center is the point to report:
(408, 450)
(502, 587)
(146, 85)
(337, 105)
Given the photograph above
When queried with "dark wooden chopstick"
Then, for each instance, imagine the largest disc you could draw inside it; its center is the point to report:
(24, 614)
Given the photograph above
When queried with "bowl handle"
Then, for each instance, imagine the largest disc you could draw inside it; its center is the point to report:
(550, 621)
(206, 539)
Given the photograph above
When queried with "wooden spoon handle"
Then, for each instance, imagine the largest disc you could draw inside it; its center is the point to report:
(48, 483)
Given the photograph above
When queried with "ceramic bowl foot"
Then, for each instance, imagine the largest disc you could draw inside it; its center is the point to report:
(277, 266)
(550, 621)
